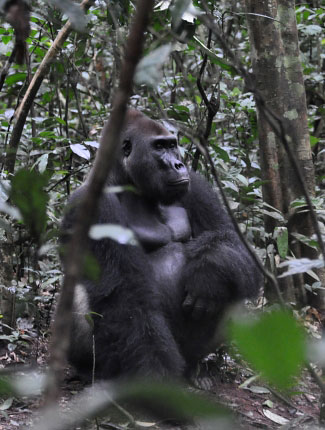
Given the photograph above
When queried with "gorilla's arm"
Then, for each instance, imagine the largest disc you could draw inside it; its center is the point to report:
(110, 255)
(219, 269)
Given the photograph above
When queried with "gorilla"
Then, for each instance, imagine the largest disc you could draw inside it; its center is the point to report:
(155, 307)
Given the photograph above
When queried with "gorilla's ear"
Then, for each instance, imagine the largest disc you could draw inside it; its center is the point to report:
(127, 147)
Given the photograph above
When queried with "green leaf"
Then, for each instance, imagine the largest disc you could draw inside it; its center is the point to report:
(27, 193)
(214, 58)
(172, 401)
(221, 153)
(6, 404)
(300, 265)
(274, 344)
(179, 112)
(48, 134)
(42, 164)
(281, 235)
(6, 39)
(149, 69)
(17, 77)
(313, 140)
(5, 386)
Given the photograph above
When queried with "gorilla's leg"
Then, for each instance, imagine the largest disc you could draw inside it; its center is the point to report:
(132, 340)
(81, 338)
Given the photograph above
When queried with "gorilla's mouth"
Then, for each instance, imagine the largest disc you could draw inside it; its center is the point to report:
(178, 183)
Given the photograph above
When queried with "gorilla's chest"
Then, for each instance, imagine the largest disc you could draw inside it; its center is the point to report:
(162, 232)
(168, 260)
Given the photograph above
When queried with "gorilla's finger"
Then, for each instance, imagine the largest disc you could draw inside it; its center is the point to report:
(199, 309)
(188, 303)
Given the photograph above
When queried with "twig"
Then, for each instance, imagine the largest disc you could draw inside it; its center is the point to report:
(88, 205)
(316, 378)
(65, 177)
(6, 67)
(212, 104)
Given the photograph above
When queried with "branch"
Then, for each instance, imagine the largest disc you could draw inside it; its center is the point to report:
(88, 206)
(26, 103)
(6, 67)
(212, 104)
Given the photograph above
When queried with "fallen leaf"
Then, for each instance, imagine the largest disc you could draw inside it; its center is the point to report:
(274, 417)
(269, 404)
(144, 424)
(258, 390)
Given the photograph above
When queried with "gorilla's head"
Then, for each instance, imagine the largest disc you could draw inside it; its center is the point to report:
(149, 159)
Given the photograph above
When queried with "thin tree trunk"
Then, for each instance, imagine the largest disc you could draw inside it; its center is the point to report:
(7, 297)
(279, 78)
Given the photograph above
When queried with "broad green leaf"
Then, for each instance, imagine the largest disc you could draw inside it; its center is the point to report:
(275, 417)
(5, 386)
(149, 68)
(221, 153)
(6, 39)
(281, 235)
(6, 404)
(274, 344)
(28, 194)
(306, 240)
(17, 77)
(172, 400)
(43, 160)
(92, 143)
(80, 150)
(313, 140)
(300, 265)
(48, 134)
(214, 58)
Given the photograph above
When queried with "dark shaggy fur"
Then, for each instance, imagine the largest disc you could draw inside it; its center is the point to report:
(160, 302)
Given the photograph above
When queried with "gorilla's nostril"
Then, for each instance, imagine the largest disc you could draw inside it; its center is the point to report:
(178, 166)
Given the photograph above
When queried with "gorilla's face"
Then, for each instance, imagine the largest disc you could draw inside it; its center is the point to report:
(152, 161)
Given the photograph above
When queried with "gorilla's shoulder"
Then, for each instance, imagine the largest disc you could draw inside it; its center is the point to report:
(203, 204)
(108, 209)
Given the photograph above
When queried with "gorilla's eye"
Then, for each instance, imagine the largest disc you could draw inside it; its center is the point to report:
(159, 144)
(172, 144)
(127, 147)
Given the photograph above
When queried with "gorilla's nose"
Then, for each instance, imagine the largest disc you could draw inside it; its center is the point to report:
(179, 166)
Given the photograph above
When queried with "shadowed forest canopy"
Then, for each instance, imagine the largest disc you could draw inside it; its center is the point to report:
(239, 85)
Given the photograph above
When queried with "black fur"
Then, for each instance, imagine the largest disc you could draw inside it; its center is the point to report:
(160, 302)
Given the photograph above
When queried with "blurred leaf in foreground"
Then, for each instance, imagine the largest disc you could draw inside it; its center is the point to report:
(274, 344)
(28, 194)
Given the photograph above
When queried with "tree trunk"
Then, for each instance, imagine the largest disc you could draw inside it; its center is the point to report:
(7, 297)
(279, 78)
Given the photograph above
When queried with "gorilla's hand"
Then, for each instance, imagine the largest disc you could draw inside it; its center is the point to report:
(206, 292)
(210, 276)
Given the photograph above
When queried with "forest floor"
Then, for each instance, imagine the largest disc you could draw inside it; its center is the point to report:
(254, 405)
